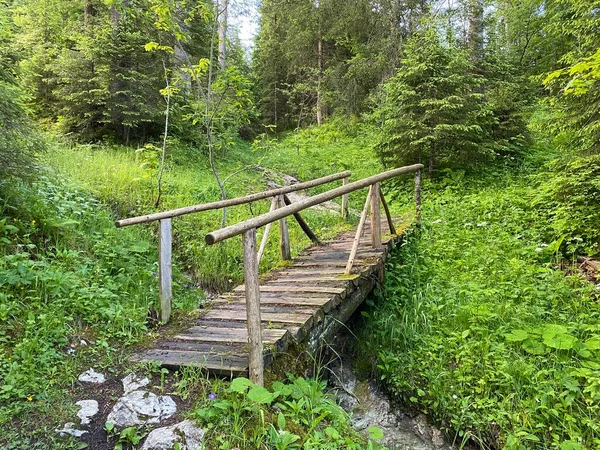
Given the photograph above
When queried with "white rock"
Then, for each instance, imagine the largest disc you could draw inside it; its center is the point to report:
(141, 408)
(88, 409)
(185, 433)
(91, 376)
(70, 430)
(132, 383)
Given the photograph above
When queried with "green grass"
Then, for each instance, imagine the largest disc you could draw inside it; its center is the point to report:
(477, 328)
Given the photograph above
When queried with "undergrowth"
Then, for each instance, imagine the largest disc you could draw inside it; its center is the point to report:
(476, 327)
(291, 415)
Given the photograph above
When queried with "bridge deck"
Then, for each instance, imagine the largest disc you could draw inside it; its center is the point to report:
(305, 301)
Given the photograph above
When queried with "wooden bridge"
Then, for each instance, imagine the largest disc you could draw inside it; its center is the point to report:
(304, 303)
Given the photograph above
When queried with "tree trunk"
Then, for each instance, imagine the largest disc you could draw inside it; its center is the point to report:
(475, 34)
(320, 83)
(88, 12)
(222, 11)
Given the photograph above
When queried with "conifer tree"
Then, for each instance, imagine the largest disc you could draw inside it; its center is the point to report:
(432, 111)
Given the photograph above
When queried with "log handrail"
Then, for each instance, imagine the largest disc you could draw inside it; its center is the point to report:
(231, 202)
(259, 221)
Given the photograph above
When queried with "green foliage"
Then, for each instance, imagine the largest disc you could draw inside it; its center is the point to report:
(66, 274)
(476, 328)
(568, 196)
(433, 110)
(298, 414)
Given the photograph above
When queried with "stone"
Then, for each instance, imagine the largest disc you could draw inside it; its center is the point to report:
(185, 433)
(70, 430)
(141, 408)
(91, 376)
(133, 383)
(87, 410)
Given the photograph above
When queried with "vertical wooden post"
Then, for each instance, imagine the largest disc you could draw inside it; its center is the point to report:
(359, 232)
(165, 269)
(256, 362)
(284, 235)
(418, 176)
(375, 216)
(345, 200)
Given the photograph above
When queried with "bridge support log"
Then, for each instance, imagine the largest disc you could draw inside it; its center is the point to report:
(165, 269)
(312, 236)
(284, 235)
(255, 343)
(265, 237)
(388, 215)
(359, 232)
(375, 216)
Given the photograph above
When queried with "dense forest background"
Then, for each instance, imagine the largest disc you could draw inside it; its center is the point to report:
(113, 108)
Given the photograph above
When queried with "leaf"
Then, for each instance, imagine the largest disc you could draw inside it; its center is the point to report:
(259, 394)
(593, 343)
(561, 341)
(375, 433)
(534, 347)
(281, 421)
(240, 385)
(516, 336)
(571, 445)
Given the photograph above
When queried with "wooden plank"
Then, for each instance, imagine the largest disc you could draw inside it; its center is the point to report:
(220, 364)
(256, 361)
(228, 335)
(298, 301)
(165, 269)
(375, 216)
(292, 318)
(284, 236)
(294, 288)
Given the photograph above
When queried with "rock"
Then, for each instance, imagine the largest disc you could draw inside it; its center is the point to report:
(141, 408)
(91, 376)
(185, 433)
(132, 383)
(88, 409)
(70, 430)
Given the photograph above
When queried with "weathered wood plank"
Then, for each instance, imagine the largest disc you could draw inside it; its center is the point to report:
(233, 315)
(228, 335)
(295, 288)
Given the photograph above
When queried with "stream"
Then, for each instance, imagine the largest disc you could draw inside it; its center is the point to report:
(370, 406)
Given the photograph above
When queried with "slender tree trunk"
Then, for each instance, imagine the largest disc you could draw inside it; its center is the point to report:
(320, 83)
(88, 12)
(222, 11)
(475, 34)
(165, 135)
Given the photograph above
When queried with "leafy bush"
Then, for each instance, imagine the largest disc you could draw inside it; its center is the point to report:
(474, 327)
(293, 415)
(569, 197)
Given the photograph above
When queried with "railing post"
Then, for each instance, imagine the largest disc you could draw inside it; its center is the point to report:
(284, 235)
(345, 200)
(375, 216)
(165, 269)
(256, 362)
(418, 176)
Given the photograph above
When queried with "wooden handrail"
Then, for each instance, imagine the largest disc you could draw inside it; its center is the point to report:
(231, 202)
(259, 221)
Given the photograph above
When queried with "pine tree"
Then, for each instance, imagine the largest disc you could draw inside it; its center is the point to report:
(432, 111)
